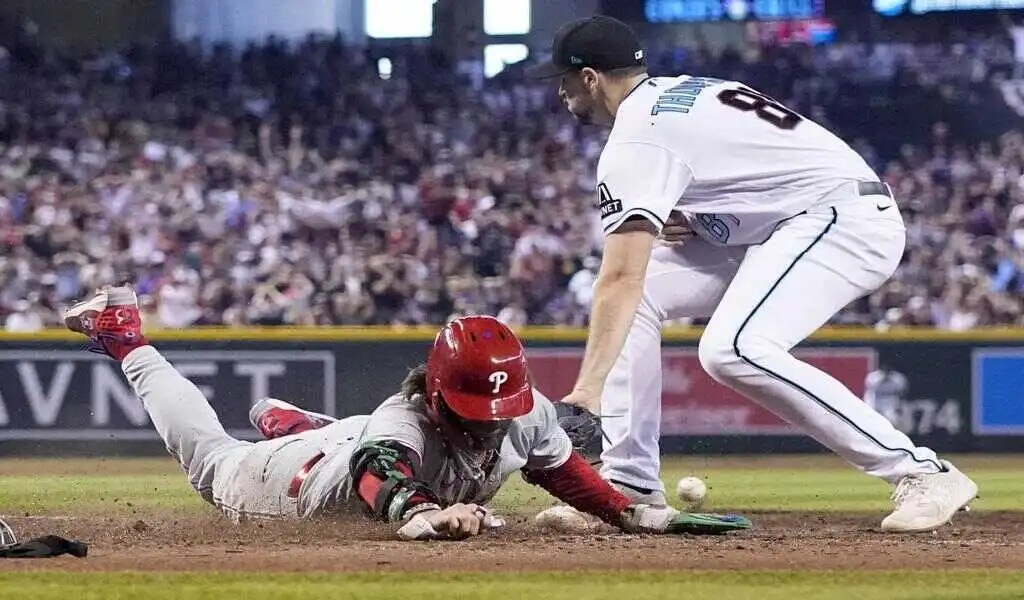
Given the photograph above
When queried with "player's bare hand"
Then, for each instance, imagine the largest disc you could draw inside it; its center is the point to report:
(585, 399)
(458, 520)
(677, 230)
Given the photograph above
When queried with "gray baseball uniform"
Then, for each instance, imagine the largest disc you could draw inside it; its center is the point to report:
(251, 480)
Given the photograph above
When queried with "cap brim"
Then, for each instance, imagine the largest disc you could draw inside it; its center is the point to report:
(488, 408)
(545, 70)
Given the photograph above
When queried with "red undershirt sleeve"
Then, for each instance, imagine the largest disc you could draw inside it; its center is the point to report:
(577, 484)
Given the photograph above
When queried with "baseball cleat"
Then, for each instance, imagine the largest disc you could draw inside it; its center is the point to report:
(927, 501)
(707, 523)
(276, 418)
(7, 537)
(110, 320)
(640, 495)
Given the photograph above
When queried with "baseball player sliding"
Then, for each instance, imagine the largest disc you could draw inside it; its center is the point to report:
(427, 459)
(792, 225)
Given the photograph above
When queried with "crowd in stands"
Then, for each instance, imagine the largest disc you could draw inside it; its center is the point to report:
(297, 186)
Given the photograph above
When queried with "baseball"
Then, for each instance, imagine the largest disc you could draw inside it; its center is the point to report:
(692, 491)
(565, 519)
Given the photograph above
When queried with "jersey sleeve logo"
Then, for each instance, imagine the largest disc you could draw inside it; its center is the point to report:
(608, 205)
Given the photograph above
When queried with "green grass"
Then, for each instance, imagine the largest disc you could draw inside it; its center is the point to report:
(117, 489)
(801, 483)
(818, 483)
(603, 585)
(97, 493)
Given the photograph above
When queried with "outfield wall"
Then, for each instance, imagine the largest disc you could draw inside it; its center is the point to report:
(965, 391)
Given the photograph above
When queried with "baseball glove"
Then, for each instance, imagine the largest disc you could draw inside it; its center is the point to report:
(583, 428)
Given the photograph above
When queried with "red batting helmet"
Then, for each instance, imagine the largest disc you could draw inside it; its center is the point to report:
(478, 366)
(476, 385)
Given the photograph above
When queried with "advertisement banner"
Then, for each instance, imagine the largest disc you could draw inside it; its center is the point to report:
(998, 391)
(952, 396)
(932, 405)
(892, 8)
(79, 396)
(695, 404)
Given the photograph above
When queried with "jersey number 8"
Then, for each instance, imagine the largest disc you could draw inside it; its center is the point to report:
(766, 108)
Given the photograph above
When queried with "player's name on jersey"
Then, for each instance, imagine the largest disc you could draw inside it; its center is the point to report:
(680, 98)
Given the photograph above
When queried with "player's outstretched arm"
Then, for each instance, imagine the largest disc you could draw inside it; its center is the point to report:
(553, 465)
(577, 484)
(639, 184)
(617, 293)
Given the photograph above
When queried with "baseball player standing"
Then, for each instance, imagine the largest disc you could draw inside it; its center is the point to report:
(428, 458)
(792, 226)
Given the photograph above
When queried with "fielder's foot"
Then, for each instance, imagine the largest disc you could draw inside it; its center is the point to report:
(640, 495)
(925, 502)
(110, 320)
(276, 418)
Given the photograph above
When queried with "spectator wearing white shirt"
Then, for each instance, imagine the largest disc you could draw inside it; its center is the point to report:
(1016, 31)
(24, 319)
(178, 301)
(581, 285)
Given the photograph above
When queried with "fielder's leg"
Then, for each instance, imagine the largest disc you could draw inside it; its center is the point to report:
(788, 287)
(681, 282)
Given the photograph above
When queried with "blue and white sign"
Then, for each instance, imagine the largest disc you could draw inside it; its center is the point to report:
(695, 11)
(892, 8)
(998, 391)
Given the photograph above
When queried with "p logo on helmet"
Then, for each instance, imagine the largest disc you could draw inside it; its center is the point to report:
(497, 378)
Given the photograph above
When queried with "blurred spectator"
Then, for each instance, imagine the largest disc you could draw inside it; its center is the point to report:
(178, 301)
(1016, 31)
(24, 319)
(581, 286)
(294, 186)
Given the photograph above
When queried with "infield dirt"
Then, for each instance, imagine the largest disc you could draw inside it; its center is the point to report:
(780, 541)
(165, 540)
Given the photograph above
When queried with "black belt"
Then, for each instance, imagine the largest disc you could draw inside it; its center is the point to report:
(873, 188)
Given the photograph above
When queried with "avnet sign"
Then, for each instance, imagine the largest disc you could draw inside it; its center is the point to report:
(65, 395)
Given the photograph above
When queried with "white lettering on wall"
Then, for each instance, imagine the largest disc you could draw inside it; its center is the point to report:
(45, 405)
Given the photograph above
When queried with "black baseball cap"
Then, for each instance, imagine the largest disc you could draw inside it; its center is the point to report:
(599, 42)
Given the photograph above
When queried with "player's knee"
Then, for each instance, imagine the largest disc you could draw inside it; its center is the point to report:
(718, 357)
(728, 357)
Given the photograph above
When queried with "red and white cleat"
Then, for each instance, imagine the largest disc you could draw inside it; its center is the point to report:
(276, 418)
(110, 320)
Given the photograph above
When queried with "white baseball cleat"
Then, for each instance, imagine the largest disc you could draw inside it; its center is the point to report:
(927, 501)
(640, 495)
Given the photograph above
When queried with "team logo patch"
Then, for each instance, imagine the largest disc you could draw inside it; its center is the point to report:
(608, 205)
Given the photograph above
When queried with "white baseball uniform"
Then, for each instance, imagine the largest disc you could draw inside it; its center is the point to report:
(250, 480)
(793, 226)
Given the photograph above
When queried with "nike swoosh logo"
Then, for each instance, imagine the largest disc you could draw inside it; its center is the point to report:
(881, 208)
